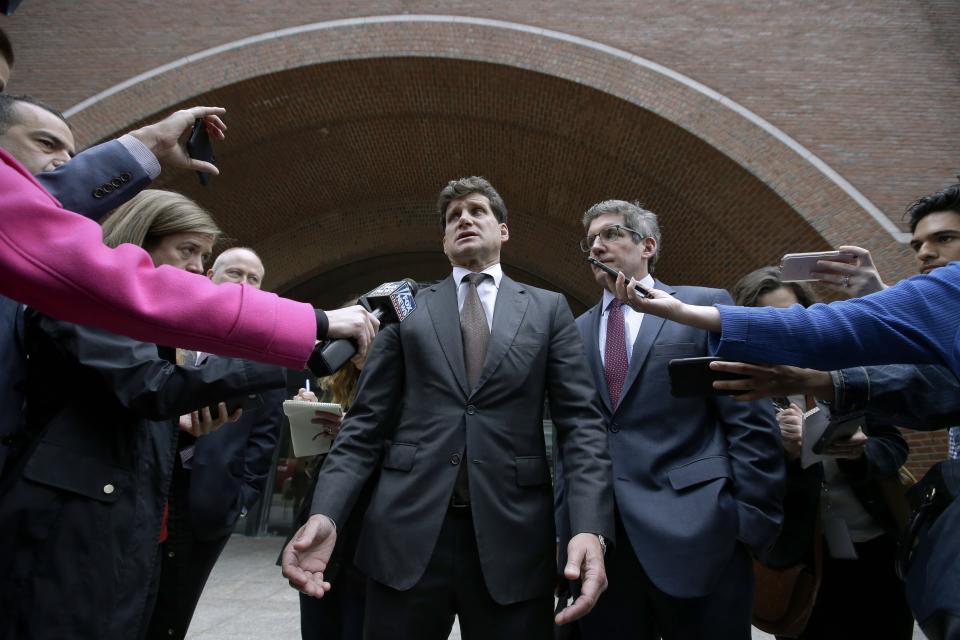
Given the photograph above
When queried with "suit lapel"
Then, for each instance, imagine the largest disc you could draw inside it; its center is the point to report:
(445, 317)
(508, 313)
(649, 329)
(592, 348)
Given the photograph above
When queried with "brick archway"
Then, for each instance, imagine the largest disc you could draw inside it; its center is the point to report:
(352, 126)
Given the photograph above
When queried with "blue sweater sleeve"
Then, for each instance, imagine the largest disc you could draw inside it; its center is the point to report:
(915, 321)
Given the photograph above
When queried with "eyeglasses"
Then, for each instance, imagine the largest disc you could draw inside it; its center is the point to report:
(607, 235)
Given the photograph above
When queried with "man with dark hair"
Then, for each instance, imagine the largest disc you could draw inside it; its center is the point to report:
(461, 520)
(699, 481)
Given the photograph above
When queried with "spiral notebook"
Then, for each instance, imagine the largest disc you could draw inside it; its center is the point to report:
(308, 439)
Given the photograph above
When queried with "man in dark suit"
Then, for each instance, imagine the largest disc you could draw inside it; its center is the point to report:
(217, 480)
(698, 481)
(461, 521)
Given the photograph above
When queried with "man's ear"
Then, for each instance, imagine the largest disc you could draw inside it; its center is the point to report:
(504, 232)
(649, 247)
(209, 274)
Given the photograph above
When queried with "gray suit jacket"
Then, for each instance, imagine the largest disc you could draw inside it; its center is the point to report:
(692, 476)
(413, 404)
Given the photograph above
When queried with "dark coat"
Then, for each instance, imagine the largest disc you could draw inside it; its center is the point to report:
(81, 508)
(415, 407)
(886, 451)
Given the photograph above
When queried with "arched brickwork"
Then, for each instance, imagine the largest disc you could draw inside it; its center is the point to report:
(351, 126)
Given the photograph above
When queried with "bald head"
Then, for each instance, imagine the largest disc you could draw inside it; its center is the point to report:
(240, 265)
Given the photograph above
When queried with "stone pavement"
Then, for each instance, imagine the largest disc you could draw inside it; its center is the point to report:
(247, 599)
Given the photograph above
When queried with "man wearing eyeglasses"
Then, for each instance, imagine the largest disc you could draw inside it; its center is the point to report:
(698, 481)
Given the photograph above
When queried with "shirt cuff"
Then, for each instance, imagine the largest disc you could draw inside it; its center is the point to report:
(851, 390)
(141, 154)
(323, 324)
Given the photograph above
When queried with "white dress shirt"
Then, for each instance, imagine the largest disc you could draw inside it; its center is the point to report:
(631, 321)
(487, 290)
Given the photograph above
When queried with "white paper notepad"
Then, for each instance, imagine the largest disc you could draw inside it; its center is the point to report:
(308, 439)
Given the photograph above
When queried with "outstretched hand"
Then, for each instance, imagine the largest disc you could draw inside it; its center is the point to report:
(852, 279)
(164, 138)
(353, 322)
(306, 556)
(584, 563)
(766, 381)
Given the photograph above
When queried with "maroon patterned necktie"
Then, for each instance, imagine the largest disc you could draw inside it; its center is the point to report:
(615, 353)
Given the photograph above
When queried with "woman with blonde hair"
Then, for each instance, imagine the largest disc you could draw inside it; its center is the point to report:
(83, 500)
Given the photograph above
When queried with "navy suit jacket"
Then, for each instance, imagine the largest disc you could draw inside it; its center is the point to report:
(692, 476)
(230, 466)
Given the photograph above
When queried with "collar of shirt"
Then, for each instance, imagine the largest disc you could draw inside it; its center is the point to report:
(631, 320)
(487, 290)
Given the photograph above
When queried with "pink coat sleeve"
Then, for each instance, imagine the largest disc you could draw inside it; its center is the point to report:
(55, 261)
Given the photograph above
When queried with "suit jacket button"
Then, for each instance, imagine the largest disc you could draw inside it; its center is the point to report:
(124, 177)
(455, 459)
(107, 188)
(108, 489)
(614, 428)
(116, 182)
(471, 409)
(98, 193)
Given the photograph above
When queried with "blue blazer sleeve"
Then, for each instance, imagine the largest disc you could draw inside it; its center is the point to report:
(96, 180)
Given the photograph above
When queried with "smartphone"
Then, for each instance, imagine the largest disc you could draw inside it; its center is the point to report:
(613, 272)
(199, 147)
(690, 377)
(247, 403)
(799, 267)
(839, 429)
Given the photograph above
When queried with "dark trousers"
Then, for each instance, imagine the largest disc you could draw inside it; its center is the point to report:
(861, 598)
(335, 616)
(185, 564)
(634, 608)
(452, 585)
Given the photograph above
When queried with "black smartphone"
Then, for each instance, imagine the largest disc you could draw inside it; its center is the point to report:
(691, 377)
(199, 147)
(839, 429)
(247, 403)
(613, 272)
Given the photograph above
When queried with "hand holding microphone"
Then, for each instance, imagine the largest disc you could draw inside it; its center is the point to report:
(390, 302)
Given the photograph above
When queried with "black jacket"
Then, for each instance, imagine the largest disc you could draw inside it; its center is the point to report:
(81, 508)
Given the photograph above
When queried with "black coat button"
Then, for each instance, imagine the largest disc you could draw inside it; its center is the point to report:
(98, 193)
(614, 428)
(125, 177)
(471, 409)
(116, 182)
(455, 459)
(107, 188)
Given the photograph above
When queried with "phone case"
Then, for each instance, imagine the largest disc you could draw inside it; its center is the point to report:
(797, 267)
(199, 147)
(690, 377)
(837, 430)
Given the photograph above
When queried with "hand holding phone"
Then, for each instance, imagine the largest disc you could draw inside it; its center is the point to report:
(801, 267)
(614, 273)
(199, 147)
(693, 377)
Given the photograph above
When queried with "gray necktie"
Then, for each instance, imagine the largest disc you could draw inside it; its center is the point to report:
(473, 325)
(476, 335)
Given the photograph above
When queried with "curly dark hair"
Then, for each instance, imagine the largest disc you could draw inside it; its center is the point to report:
(947, 199)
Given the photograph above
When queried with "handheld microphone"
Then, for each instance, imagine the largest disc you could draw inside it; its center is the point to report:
(390, 302)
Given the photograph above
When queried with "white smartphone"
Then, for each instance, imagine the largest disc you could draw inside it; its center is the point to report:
(799, 267)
